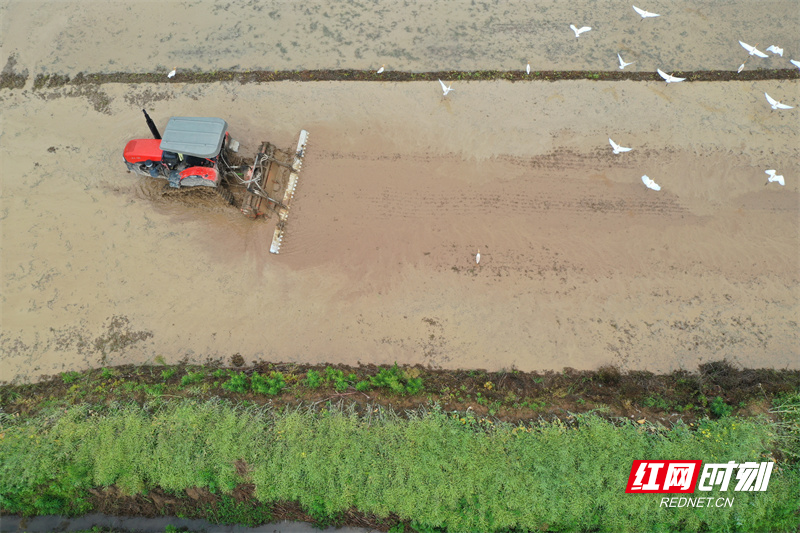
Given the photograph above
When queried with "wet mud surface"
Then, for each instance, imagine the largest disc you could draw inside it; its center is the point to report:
(581, 265)
(207, 35)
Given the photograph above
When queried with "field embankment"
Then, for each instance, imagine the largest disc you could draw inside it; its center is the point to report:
(269, 452)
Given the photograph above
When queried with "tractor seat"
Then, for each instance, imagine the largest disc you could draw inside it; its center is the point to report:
(171, 159)
(192, 161)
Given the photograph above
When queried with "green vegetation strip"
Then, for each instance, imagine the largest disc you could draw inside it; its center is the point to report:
(434, 470)
(717, 390)
(12, 80)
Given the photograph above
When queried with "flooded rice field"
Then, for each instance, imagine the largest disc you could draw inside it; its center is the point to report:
(581, 265)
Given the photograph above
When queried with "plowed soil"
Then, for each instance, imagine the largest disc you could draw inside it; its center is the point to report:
(582, 266)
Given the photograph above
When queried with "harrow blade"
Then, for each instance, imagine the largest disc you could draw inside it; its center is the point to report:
(283, 212)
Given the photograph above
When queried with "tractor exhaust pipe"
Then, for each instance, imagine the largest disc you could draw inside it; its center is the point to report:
(151, 125)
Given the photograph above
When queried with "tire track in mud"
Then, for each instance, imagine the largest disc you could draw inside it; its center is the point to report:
(558, 159)
(392, 204)
(562, 191)
(580, 188)
(436, 199)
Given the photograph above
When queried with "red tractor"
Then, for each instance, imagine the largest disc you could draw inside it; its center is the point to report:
(199, 152)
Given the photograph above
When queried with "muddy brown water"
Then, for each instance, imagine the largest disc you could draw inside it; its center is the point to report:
(581, 265)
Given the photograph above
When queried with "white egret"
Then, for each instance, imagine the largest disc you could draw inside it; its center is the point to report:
(645, 14)
(380, 70)
(650, 184)
(795, 63)
(775, 50)
(478, 258)
(172, 73)
(578, 31)
(753, 50)
(773, 176)
(776, 104)
(528, 68)
(445, 88)
(668, 78)
(617, 148)
(623, 64)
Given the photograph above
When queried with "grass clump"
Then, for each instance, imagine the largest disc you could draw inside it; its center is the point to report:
(656, 401)
(237, 382)
(338, 379)
(313, 379)
(230, 511)
(190, 378)
(156, 389)
(787, 408)
(270, 385)
(396, 380)
(70, 377)
(719, 408)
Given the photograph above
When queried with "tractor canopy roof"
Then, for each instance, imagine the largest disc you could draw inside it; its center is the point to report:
(197, 136)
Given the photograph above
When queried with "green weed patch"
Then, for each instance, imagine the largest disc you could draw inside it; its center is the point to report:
(717, 391)
(397, 381)
(440, 470)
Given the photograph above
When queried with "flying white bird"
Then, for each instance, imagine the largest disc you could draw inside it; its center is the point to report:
(775, 50)
(644, 13)
(617, 148)
(478, 256)
(753, 50)
(776, 104)
(380, 70)
(528, 68)
(623, 64)
(773, 177)
(172, 73)
(650, 184)
(668, 78)
(445, 88)
(578, 31)
(795, 63)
